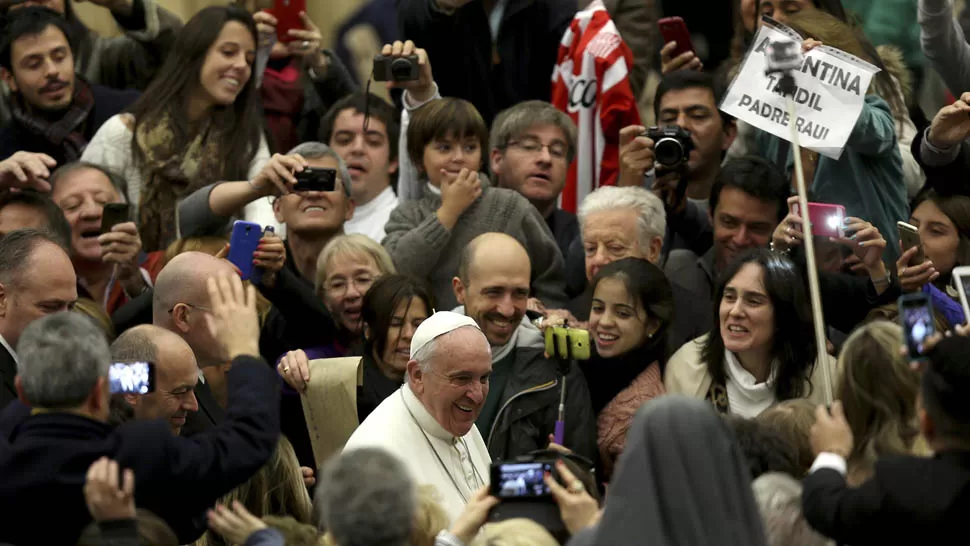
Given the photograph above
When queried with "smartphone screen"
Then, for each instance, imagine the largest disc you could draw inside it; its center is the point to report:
(520, 480)
(916, 315)
(131, 377)
(961, 278)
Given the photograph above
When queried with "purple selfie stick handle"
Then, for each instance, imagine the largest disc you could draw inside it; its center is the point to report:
(560, 433)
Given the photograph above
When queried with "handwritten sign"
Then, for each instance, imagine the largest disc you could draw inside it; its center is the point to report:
(831, 90)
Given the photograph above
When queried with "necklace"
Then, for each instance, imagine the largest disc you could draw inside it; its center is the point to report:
(441, 462)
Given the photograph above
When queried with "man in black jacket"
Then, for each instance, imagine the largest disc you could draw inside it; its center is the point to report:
(520, 412)
(506, 50)
(54, 112)
(908, 500)
(63, 376)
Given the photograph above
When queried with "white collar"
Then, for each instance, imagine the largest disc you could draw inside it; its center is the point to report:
(9, 349)
(383, 199)
(424, 419)
(744, 379)
(433, 190)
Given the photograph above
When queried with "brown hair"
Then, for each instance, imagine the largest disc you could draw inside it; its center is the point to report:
(878, 390)
(441, 119)
(793, 420)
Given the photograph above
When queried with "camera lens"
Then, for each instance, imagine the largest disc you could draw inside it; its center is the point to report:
(668, 152)
(400, 67)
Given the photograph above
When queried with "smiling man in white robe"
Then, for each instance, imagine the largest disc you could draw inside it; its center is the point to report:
(430, 422)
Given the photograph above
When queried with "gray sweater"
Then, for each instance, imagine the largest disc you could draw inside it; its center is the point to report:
(944, 44)
(422, 247)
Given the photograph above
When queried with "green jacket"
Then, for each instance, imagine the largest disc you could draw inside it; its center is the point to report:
(867, 179)
(890, 22)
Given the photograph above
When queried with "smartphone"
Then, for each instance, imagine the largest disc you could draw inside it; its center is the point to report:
(909, 236)
(316, 179)
(916, 318)
(567, 343)
(520, 480)
(245, 238)
(673, 29)
(114, 214)
(131, 377)
(961, 278)
(827, 220)
(287, 13)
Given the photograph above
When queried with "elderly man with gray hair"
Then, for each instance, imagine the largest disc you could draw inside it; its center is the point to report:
(630, 222)
(779, 498)
(310, 218)
(430, 422)
(366, 498)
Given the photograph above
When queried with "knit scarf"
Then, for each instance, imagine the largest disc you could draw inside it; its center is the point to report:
(67, 133)
(171, 174)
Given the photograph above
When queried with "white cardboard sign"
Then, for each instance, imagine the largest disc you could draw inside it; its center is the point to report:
(831, 92)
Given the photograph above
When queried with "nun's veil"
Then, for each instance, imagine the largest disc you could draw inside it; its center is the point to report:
(681, 481)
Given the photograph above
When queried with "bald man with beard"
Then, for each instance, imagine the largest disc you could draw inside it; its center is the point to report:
(519, 415)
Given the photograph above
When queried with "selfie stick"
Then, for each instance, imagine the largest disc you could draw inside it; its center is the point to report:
(788, 87)
(559, 434)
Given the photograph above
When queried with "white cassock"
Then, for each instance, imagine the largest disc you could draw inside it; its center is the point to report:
(456, 466)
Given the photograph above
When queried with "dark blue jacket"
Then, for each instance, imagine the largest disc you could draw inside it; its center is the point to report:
(107, 102)
(46, 461)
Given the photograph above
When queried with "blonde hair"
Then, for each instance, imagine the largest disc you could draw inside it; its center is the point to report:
(212, 245)
(353, 246)
(429, 518)
(793, 420)
(295, 533)
(514, 532)
(90, 309)
(276, 490)
(878, 390)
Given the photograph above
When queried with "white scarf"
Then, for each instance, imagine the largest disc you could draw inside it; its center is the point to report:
(746, 397)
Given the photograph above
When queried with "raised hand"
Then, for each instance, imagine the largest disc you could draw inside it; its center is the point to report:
(26, 170)
(951, 125)
(234, 524)
(294, 368)
(270, 256)
(421, 89)
(277, 176)
(685, 61)
(233, 321)
(636, 156)
(109, 493)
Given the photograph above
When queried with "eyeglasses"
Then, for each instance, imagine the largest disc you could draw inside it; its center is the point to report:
(533, 146)
(338, 287)
(192, 305)
(461, 380)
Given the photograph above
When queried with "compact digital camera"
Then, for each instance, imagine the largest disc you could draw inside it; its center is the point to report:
(672, 145)
(401, 69)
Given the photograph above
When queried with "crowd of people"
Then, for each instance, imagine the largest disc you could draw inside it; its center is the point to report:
(244, 301)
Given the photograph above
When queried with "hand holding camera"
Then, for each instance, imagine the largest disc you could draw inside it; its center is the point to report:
(458, 192)
(951, 125)
(405, 66)
(279, 175)
(636, 155)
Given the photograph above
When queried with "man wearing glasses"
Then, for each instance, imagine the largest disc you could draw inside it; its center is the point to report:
(180, 305)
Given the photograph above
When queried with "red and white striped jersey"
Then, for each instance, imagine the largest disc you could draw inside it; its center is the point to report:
(591, 84)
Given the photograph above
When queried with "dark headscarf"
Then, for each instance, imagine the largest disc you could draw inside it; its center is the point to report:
(682, 481)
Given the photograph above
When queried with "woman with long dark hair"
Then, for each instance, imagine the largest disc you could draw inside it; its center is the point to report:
(197, 123)
(631, 313)
(762, 349)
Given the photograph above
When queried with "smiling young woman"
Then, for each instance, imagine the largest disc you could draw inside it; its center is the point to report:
(762, 349)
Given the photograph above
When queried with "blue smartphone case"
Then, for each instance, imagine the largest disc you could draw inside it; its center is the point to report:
(245, 238)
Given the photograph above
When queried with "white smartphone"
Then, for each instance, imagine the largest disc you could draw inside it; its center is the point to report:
(961, 278)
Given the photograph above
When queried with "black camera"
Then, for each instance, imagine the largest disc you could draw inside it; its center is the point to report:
(400, 69)
(316, 179)
(672, 145)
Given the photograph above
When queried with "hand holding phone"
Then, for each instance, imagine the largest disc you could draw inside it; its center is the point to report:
(287, 14)
(909, 238)
(114, 214)
(520, 480)
(826, 220)
(242, 245)
(567, 343)
(678, 51)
